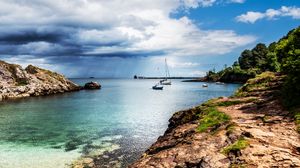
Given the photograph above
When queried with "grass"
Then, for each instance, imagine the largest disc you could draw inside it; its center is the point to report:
(237, 146)
(260, 82)
(213, 103)
(234, 102)
(296, 114)
(210, 103)
(237, 166)
(262, 78)
(211, 118)
(230, 129)
(22, 81)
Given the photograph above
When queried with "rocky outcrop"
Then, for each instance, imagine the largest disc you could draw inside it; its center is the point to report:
(260, 132)
(183, 146)
(92, 86)
(16, 82)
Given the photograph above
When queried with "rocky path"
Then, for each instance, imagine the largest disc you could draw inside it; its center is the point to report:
(272, 135)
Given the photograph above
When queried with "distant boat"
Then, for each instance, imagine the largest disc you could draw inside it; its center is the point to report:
(92, 77)
(220, 83)
(204, 85)
(166, 81)
(157, 87)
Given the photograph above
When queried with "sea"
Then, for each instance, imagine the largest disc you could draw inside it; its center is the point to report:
(121, 120)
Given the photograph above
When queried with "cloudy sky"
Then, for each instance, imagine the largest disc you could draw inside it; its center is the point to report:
(118, 38)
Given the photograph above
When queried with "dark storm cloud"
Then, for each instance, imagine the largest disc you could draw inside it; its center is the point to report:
(24, 37)
(55, 41)
(128, 54)
(34, 48)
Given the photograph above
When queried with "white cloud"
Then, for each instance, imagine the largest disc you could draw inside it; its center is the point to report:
(237, 1)
(197, 73)
(25, 60)
(116, 26)
(294, 12)
(198, 3)
(252, 17)
(182, 64)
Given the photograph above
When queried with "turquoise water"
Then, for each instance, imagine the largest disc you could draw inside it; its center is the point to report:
(124, 118)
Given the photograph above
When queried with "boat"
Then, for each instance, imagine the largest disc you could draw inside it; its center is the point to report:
(204, 85)
(157, 87)
(167, 80)
(220, 83)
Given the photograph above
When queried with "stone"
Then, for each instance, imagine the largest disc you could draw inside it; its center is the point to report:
(92, 86)
(17, 82)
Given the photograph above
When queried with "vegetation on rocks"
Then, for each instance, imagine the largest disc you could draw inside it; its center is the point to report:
(221, 102)
(262, 82)
(211, 118)
(236, 146)
(296, 114)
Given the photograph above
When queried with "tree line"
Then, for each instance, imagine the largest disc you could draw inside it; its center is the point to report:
(282, 56)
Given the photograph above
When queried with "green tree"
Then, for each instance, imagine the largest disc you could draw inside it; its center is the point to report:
(288, 52)
(246, 59)
(272, 47)
(272, 63)
(259, 56)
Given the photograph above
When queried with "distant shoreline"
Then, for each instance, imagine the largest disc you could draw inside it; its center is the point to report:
(195, 78)
(143, 77)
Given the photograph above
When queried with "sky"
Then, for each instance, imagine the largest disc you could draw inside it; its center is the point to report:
(118, 38)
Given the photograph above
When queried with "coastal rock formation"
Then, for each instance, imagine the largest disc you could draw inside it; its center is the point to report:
(92, 86)
(250, 129)
(16, 82)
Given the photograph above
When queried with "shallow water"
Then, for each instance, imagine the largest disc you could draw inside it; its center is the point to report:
(125, 115)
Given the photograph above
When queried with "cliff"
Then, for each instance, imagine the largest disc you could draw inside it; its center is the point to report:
(16, 82)
(249, 129)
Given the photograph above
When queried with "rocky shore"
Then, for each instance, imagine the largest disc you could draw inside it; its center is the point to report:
(249, 129)
(16, 82)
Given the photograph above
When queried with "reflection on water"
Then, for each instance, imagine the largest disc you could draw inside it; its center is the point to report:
(125, 116)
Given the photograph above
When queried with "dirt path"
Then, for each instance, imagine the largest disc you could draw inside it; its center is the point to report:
(272, 136)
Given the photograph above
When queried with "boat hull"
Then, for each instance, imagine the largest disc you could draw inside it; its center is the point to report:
(157, 88)
(166, 83)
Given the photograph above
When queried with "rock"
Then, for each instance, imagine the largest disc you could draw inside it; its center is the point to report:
(16, 82)
(92, 86)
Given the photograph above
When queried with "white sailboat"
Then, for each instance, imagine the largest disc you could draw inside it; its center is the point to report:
(166, 81)
(158, 87)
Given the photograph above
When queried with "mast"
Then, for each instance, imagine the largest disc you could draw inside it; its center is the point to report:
(167, 69)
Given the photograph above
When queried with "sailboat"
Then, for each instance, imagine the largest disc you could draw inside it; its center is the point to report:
(166, 81)
(157, 87)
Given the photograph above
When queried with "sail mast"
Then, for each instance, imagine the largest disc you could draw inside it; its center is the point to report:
(167, 69)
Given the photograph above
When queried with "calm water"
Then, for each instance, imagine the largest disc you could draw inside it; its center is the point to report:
(125, 117)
